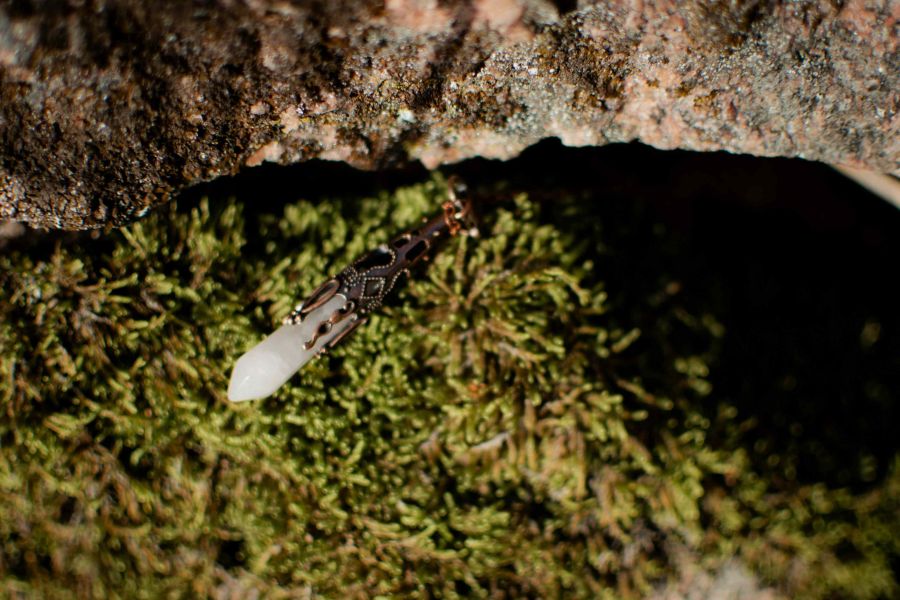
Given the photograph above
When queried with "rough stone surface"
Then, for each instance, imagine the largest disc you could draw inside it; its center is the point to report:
(107, 107)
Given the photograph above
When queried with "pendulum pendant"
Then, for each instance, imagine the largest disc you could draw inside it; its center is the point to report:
(342, 303)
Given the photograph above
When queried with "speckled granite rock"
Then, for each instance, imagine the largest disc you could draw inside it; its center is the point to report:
(109, 106)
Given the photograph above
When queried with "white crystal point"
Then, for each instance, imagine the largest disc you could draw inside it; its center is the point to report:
(269, 364)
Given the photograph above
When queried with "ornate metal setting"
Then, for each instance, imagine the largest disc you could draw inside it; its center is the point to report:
(370, 279)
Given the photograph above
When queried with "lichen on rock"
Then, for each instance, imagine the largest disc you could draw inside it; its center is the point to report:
(107, 108)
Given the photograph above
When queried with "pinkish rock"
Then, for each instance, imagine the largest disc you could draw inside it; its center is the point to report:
(107, 107)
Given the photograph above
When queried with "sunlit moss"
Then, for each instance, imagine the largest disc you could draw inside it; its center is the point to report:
(511, 425)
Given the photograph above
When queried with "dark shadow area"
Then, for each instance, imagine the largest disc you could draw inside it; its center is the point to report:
(269, 187)
(797, 262)
(812, 350)
(801, 267)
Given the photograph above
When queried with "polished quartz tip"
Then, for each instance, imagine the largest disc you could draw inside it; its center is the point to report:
(269, 364)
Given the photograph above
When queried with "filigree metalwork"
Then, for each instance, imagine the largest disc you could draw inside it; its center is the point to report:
(369, 280)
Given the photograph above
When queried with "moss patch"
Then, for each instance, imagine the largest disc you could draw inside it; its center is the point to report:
(521, 421)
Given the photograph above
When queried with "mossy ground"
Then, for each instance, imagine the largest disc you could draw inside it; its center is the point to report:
(533, 416)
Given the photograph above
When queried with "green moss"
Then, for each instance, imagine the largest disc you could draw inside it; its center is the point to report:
(515, 423)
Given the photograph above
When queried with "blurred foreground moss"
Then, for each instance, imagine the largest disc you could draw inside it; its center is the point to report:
(514, 425)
